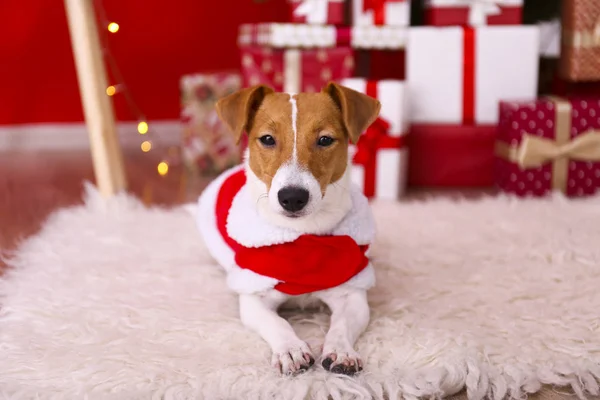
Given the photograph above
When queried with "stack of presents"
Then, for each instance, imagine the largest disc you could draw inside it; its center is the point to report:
(459, 94)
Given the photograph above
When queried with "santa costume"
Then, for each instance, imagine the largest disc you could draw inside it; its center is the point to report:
(259, 256)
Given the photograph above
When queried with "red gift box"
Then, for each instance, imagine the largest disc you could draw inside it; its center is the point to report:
(474, 12)
(319, 12)
(451, 155)
(295, 70)
(551, 144)
(381, 12)
(378, 65)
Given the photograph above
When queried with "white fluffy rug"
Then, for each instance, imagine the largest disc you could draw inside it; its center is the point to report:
(114, 300)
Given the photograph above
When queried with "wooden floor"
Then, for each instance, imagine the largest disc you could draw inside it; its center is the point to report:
(32, 185)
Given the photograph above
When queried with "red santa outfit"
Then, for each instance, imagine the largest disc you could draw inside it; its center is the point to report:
(258, 255)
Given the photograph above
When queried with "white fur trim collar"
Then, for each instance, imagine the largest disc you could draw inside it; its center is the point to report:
(248, 228)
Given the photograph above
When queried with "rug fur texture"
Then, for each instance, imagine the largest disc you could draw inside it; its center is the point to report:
(115, 300)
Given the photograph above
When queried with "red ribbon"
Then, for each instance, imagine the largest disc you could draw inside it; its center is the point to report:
(469, 76)
(375, 138)
(343, 36)
(378, 7)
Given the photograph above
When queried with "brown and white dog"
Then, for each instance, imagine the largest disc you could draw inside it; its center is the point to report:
(288, 224)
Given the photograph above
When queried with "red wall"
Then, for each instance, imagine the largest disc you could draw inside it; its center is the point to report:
(157, 43)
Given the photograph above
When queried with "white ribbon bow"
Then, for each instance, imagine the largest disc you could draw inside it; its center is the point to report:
(480, 10)
(315, 11)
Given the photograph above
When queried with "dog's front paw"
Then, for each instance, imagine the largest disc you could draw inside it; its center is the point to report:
(342, 362)
(294, 359)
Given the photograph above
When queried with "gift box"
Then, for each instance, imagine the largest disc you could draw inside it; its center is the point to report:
(580, 49)
(379, 50)
(278, 35)
(551, 144)
(319, 12)
(295, 70)
(378, 65)
(451, 155)
(565, 88)
(458, 75)
(208, 147)
(550, 34)
(473, 12)
(379, 159)
(381, 12)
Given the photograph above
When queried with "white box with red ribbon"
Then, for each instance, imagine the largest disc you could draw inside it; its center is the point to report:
(379, 159)
(458, 75)
(381, 12)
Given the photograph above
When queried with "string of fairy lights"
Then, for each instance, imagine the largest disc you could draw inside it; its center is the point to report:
(119, 87)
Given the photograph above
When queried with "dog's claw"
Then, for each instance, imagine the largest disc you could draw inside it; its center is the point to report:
(295, 360)
(327, 363)
(342, 364)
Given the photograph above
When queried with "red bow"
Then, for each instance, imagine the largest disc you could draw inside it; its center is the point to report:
(376, 137)
(378, 7)
(368, 143)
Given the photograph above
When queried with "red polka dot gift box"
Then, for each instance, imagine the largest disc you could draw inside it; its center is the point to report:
(551, 144)
(295, 70)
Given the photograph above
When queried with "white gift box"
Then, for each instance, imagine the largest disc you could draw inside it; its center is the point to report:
(390, 163)
(458, 75)
(392, 12)
(550, 35)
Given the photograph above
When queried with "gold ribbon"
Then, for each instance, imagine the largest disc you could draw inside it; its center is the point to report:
(584, 39)
(534, 152)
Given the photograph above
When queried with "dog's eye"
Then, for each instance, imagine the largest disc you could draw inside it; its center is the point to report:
(325, 141)
(267, 140)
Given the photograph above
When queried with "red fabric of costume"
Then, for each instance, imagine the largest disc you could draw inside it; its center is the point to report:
(308, 264)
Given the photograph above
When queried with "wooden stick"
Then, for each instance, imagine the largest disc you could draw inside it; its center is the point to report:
(99, 115)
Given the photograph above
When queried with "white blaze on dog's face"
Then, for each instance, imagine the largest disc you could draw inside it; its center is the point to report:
(297, 157)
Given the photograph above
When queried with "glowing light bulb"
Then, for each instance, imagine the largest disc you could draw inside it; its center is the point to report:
(143, 127)
(111, 90)
(113, 27)
(163, 168)
(146, 146)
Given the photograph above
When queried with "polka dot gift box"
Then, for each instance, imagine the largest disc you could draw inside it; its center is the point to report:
(295, 70)
(551, 144)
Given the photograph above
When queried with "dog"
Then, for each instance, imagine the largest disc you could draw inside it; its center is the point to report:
(288, 224)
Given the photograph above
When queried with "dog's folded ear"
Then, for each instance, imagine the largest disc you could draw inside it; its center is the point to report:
(237, 110)
(358, 110)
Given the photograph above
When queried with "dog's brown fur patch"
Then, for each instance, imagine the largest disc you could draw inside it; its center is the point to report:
(338, 112)
(318, 115)
(272, 118)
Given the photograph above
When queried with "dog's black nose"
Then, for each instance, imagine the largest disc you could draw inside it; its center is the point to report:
(293, 198)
